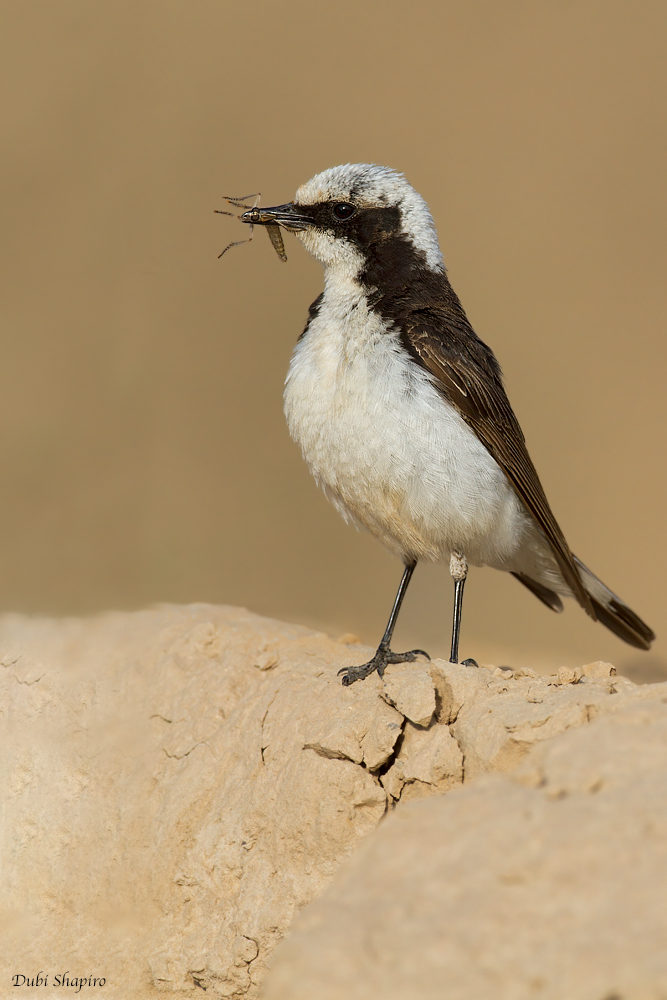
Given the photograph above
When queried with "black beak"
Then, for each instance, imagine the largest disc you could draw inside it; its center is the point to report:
(287, 216)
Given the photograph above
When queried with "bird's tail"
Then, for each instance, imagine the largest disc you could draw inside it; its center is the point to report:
(612, 612)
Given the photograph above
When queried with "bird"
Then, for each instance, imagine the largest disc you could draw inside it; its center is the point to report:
(400, 409)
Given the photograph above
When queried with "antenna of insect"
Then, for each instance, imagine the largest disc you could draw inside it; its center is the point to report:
(238, 203)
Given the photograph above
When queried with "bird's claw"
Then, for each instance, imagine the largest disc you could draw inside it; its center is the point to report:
(383, 657)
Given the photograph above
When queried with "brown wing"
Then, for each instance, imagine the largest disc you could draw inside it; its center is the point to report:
(468, 375)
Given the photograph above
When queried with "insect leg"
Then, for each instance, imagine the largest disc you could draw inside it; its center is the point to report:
(238, 242)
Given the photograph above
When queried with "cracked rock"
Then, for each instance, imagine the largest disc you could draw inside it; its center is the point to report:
(455, 685)
(181, 782)
(547, 883)
(164, 821)
(357, 726)
(410, 689)
(428, 760)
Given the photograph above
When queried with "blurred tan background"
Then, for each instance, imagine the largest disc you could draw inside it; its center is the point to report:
(143, 451)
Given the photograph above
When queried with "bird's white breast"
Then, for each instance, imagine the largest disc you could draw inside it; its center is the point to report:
(387, 448)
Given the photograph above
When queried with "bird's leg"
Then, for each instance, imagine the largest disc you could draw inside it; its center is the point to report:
(458, 567)
(383, 655)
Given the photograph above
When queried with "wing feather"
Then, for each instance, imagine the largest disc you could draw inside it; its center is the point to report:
(465, 370)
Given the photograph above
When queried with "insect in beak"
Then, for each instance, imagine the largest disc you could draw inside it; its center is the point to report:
(276, 239)
(253, 216)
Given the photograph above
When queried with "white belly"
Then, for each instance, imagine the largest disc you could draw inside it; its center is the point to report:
(388, 450)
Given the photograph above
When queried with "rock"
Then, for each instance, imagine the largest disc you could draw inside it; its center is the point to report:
(504, 672)
(181, 782)
(348, 639)
(502, 718)
(599, 669)
(570, 675)
(410, 689)
(455, 685)
(266, 659)
(428, 760)
(359, 728)
(525, 672)
(547, 883)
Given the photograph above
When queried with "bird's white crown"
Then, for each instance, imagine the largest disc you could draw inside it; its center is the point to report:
(369, 185)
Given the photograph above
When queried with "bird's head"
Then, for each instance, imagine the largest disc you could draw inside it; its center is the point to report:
(357, 215)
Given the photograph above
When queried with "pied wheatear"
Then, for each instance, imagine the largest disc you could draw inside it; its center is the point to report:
(400, 410)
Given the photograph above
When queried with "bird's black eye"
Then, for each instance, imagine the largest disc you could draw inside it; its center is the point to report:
(343, 211)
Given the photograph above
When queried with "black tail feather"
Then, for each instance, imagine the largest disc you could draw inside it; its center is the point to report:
(548, 597)
(608, 608)
(624, 623)
(613, 612)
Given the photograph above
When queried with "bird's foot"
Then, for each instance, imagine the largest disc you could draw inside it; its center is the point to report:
(467, 663)
(383, 657)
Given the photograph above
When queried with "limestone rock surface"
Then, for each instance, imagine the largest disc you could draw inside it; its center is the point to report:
(546, 884)
(179, 783)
